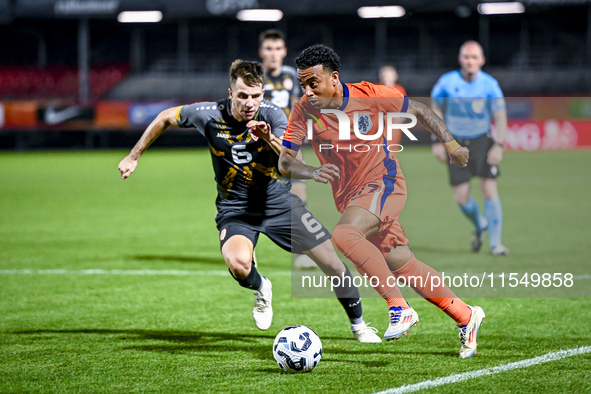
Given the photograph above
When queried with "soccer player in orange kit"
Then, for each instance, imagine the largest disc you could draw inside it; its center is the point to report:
(368, 186)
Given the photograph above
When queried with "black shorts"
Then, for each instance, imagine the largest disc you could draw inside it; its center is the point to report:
(295, 230)
(477, 165)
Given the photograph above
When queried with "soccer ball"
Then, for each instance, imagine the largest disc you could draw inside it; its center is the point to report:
(297, 349)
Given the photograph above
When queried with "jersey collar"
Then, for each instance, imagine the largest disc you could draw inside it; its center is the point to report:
(472, 81)
(345, 97)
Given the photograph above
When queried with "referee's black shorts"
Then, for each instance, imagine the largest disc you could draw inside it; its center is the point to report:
(477, 165)
(295, 230)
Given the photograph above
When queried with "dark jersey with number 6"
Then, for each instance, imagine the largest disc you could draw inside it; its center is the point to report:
(245, 169)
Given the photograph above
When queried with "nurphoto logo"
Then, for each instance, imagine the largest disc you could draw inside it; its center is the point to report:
(362, 125)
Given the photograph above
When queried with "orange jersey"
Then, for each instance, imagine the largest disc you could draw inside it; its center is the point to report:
(400, 89)
(365, 155)
(397, 86)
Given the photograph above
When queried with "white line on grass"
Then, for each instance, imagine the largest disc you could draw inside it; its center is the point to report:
(427, 384)
(99, 271)
(124, 272)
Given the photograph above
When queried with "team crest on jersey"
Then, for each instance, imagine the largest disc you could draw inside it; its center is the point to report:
(364, 123)
(288, 83)
(478, 105)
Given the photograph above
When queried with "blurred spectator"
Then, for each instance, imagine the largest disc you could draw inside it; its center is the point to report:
(389, 76)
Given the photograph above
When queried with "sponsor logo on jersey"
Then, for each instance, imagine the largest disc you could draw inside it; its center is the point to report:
(222, 135)
(310, 127)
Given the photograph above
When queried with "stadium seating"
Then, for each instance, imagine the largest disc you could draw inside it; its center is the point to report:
(56, 81)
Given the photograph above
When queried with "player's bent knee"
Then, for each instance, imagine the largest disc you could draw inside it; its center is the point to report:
(240, 268)
(237, 252)
(398, 256)
(346, 238)
(239, 262)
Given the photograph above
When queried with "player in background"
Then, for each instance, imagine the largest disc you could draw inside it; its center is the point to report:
(369, 188)
(245, 134)
(282, 89)
(280, 81)
(467, 99)
(388, 76)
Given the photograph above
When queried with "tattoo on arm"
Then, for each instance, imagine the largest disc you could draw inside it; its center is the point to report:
(428, 118)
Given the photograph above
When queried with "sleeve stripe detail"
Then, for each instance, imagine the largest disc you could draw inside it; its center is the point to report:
(404, 105)
(345, 97)
(291, 145)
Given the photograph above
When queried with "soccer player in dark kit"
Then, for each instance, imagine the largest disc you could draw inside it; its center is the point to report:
(245, 136)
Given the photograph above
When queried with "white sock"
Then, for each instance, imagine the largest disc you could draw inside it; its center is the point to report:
(265, 285)
(357, 326)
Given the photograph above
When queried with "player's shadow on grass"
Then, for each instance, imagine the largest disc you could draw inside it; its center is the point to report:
(174, 341)
(180, 259)
(182, 342)
(445, 251)
(394, 350)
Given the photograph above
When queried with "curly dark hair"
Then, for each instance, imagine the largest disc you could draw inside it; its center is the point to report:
(318, 54)
(250, 72)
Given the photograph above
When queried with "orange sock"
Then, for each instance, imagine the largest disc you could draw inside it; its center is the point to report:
(397, 302)
(419, 276)
(459, 311)
(368, 261)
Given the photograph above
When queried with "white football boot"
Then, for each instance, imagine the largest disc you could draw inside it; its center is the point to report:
(365, 334)
(401, 321)
(469, 332)
(262, 313)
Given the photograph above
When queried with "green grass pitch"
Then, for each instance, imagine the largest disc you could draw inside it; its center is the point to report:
(82, 308)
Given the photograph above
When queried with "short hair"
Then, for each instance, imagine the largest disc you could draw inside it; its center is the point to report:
(469, 43)
(318, 54)
(271, 34)
(250, 72)
(388, 67)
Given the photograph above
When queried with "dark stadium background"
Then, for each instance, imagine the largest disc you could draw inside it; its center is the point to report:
(113, 78)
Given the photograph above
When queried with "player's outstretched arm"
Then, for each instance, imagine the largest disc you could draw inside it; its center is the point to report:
(291, 166)
(435, 125)
(262, 130)
(158, 126)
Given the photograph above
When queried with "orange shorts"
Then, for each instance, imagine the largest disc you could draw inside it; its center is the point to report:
(384, 199)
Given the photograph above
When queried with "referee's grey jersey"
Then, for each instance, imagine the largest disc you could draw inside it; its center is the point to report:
(245, 170)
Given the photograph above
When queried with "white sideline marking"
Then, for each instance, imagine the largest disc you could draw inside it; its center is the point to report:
(126, 272)
(98, 271)
(427, 384)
